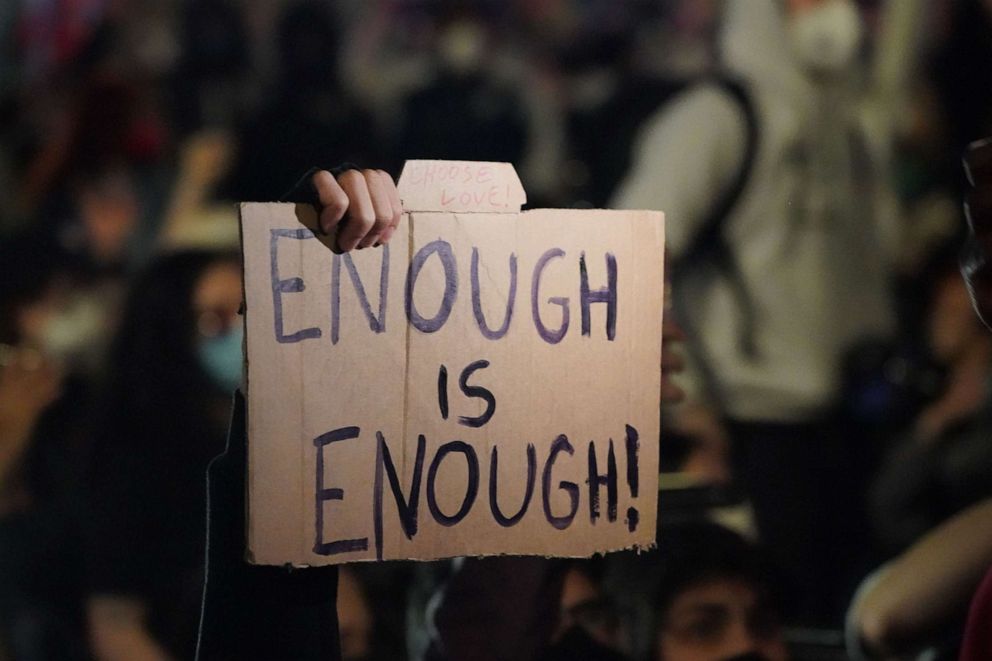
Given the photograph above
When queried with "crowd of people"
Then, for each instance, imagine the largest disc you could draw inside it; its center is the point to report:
(834, 442)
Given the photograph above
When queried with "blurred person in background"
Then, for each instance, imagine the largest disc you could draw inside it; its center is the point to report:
(585, 607)
(914, 606)
(248, 611)
(208, 81)
(45, 400)
(310, 115)
(175, 361)
(705, 593)
(715, 599)
(624, 62)
(782, 228)
(942, 463)
(977, 642)
(463, 113)
(100, 225)
(918, 599)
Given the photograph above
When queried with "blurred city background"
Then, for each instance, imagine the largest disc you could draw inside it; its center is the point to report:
(131, 127)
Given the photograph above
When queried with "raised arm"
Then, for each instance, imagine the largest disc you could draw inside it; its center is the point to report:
(686, 156)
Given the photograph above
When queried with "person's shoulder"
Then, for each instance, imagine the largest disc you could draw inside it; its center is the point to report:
(705, 109)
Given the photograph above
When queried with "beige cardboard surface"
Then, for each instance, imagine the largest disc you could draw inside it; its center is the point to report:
(395, 409)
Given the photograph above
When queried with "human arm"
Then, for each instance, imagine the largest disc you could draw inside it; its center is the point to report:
(896, 60)
(926, 587)
(361, 206)
(253, 611)
(205, 159)
(686, 157)
(118, 632)
(28, 384)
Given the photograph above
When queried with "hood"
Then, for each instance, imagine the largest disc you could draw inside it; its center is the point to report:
(754, 45)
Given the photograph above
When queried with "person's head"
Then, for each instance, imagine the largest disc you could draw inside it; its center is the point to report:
(461, 47)
(585, 606)
(109, 210)
(824, 35)
(715, 599)
(180, 336)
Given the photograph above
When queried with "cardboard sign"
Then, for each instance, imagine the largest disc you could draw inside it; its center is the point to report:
(486, 383)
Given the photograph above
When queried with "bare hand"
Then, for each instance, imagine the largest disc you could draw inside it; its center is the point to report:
(362, 206)
(206, 157)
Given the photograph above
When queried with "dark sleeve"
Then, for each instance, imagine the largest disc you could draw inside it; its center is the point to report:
(257, 612)
(118, 561)
(498, 609)
(303, 191)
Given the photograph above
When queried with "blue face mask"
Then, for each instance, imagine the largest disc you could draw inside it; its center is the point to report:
(221, 357)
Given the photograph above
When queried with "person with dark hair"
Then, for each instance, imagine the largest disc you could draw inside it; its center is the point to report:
(783, 232)
(715, 598)
(709, 595)
(940, 463)
(310, 113)
(175, 361)
(463, 113)
(259, 612)
(213, 65)
(916, 600)
(977, 642)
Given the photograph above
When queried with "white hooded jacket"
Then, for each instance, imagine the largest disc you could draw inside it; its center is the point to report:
(813, 232)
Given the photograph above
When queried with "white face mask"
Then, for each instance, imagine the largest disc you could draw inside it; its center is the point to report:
(75, 332)
(461, 48)
(827, 37)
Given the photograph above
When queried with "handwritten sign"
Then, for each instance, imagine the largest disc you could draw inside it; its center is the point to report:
(486, 383)
(461, 187)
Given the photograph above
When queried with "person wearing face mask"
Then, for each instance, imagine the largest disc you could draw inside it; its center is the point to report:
(175, 361)
(782, 229)
(44, 400)
(465, 112)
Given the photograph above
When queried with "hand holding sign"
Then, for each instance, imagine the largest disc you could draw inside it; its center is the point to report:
(361, 205)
